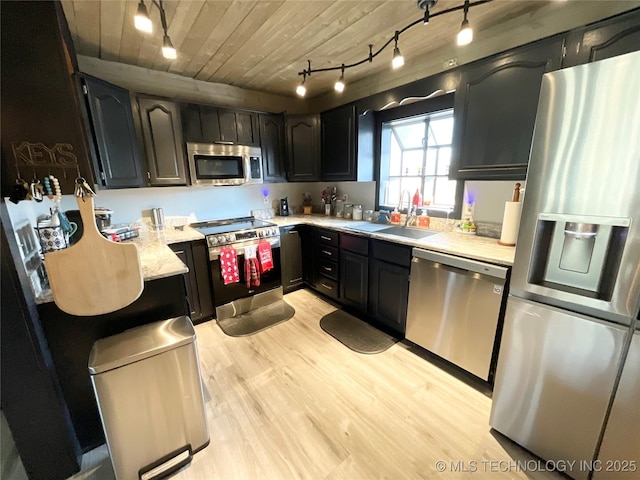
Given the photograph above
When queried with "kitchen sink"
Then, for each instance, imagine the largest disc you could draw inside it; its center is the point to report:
(407, 232)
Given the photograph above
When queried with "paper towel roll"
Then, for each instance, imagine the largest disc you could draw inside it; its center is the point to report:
(510, 223)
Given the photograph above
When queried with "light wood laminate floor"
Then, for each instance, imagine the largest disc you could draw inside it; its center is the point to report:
(292, 402)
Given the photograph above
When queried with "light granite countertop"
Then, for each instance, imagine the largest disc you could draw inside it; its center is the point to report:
(157, 260)
(459, 244)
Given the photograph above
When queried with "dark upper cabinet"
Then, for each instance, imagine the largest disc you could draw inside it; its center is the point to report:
(272, 143)
(162, 134)
(339, 144)
(191, 125)
(495, 109)
(118, 160)
(291, 258)
(613, 37)
(303, 147)
(208, 124)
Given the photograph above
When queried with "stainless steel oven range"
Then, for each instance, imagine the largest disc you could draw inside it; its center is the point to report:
(235, 298)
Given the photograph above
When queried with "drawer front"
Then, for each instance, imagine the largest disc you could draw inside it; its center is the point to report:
(328, 253)
(328, 287)
(329, 269)
(328, 237)
(392, 253)
(352, 243)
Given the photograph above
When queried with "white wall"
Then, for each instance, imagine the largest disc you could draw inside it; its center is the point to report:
(489, 197)
(215, 202)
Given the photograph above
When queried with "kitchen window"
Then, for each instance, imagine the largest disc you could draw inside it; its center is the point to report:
(414, 154)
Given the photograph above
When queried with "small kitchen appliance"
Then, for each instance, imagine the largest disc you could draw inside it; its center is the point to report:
(218, 164)
(284, 207)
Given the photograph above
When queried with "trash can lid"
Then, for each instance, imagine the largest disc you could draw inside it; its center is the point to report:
(139, 343)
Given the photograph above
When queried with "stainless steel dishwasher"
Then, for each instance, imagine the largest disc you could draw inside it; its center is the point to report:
(454, 308)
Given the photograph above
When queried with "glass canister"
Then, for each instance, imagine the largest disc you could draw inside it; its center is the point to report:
(348, 211)
(339, 208)
(368, 215)
(357, 212)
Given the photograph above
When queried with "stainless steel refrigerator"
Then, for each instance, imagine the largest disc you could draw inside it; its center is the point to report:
(568, 375)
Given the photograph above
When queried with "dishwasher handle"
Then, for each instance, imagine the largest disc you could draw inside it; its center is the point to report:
(460, 263)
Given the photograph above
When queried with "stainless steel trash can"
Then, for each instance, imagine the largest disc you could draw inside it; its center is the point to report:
(149, 393)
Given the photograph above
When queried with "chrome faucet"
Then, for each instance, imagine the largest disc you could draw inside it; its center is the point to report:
(411, 212)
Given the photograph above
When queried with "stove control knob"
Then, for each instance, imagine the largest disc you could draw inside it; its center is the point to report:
(213, 241)
(231, 237)
(221, 239)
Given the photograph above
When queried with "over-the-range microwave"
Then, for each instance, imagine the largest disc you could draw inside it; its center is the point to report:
(221, 164)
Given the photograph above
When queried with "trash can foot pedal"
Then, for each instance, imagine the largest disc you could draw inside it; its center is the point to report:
(167, 466)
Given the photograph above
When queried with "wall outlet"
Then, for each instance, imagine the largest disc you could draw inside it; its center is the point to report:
(266, 199)
(452, 62)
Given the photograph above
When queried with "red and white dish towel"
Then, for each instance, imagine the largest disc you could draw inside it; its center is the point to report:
(229, 265)
(265, 257)
(251, 267)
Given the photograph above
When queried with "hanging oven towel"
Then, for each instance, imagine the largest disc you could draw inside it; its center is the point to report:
(229, 265)
(265, 257)
(251, 251)
(251, 272)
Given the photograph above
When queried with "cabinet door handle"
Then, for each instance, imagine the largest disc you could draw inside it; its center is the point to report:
(328, 269)
(326, 252)
(326, 238)
(222, 142)
(328, 287)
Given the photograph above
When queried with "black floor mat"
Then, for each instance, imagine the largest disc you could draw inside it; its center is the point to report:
(359, 336)
(257, 320)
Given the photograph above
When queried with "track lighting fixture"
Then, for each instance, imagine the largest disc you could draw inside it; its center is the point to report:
(398, 59)
(339, 86)
(143, 23)
(465, 36)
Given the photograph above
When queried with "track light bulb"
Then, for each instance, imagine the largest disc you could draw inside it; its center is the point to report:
(167, 48)
(301, 90)
(465, 35)
(141, 20)
(398, 59)
(339, 85)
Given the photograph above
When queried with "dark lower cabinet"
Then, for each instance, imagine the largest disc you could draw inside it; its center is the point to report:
(354, 280)
(272, 144)
(495, 110)
(119, 162)
(610, 38)
(290, 258)
(198, 285)
(354, 271)
(388, 295)
(162, 133)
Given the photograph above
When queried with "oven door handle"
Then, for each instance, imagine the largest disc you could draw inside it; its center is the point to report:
(214, 252)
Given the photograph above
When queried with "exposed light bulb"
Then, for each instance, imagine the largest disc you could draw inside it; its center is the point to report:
(398, 59)
(301, 89)
(465, 35)
(167, 48)
(141, 20)
(339, 85)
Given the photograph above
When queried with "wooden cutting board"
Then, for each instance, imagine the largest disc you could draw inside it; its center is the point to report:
(94, 276)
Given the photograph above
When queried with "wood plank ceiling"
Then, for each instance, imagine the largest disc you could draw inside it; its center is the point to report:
(262, 44)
